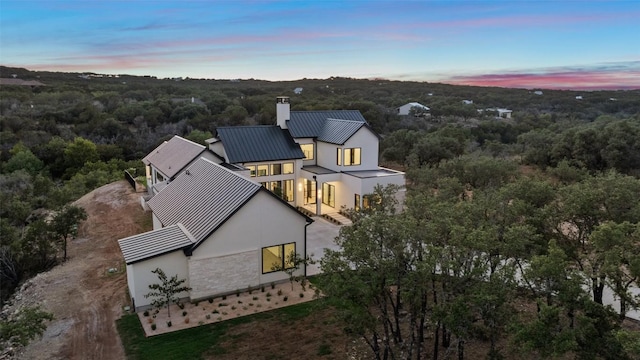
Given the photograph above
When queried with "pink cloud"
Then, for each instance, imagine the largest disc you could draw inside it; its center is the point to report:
(586, 79)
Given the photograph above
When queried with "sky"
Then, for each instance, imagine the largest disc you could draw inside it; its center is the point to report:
(584, 45)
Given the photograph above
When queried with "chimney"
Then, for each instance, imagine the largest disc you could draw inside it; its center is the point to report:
(283, 111)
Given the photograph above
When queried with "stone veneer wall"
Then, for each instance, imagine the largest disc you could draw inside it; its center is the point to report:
(223, 274)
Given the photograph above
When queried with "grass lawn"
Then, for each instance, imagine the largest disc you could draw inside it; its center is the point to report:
(219, 339)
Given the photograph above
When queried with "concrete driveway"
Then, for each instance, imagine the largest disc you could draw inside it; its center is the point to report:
(320, 236)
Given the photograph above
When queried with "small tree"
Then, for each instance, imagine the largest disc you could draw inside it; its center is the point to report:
(292, 264)
(65, 225)
(27, 324)
(166, 292)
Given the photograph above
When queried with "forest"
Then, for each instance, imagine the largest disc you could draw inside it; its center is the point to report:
(540, 206)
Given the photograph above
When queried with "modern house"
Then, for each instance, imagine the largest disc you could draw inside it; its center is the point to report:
(418, 108)
(317, 160)
(218, 230)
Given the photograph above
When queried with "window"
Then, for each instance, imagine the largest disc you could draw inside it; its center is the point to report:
(275, 258)
(309, 192)
(159, 177)
(287, 190)
(263, 170)
(264, 184)
(351, 156)
(276, 169)
(339, 157)
(308, 150)
(252, 170)
(287, 168)
(276, 188)
(366, 202)
(329, 194)
(356, 201)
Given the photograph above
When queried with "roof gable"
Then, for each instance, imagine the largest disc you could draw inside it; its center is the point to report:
(336, 131)
(172, 156)
(154, 243)
(258, 143)
(202, 198)
(310, 123)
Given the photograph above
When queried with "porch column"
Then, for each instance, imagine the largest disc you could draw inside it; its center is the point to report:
(319, 198)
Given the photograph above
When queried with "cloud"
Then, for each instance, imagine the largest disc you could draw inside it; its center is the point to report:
(610, 76)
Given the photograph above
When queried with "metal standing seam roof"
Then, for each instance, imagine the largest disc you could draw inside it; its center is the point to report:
(258, 143)
(337, 131)
(303, 124)
(153, 243)
(202, 198)
(172, 156)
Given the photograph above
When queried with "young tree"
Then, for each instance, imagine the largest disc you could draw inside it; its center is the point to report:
(65, 225)
(27, 324)
(292, 263)
(166, 292)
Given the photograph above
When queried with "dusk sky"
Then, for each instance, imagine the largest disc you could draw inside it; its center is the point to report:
(526, 44)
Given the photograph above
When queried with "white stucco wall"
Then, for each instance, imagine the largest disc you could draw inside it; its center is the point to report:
(139, 275)
(315, 154)
(232, 257)
(363, 139)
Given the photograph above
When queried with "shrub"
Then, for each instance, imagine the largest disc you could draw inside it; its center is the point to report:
(239, 301)
(301, 295)
(169, 324)
(273, 285)
(196, 303)
(210, 300)
(268, 294)
(200, 322)
(181, 305)
(208, 316)
(215, 311)
(233, 307)
(255, 298)
(279, 292)
(222, 304)
(262, 288)
(146, 313)
(224, 297)
(285, 298)
(184, 313)
(238, 293)
(153, 326)
(150, 320)
(186, 320)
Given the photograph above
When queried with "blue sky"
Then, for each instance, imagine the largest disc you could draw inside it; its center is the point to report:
(530, 44)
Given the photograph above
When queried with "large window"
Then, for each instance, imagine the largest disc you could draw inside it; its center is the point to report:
(276, 169)
(356, 200)
(351, 156)
(329, 194)
(309, 192)
(287, 190)
(308, 150)
(287, 168)
(275, 258)
(252, 169)
(263, 170)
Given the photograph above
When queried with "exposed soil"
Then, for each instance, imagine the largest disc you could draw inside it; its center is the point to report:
(83, 294)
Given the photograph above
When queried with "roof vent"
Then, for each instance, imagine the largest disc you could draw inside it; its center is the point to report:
(187, 172)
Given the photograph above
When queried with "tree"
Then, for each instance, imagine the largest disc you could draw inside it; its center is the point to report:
(27, 324)
(65, 224)
(292, 263)
(166, 292)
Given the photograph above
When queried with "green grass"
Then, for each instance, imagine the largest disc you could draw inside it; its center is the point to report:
(194, 342)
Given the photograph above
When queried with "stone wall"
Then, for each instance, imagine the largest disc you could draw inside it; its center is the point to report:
(223, 274)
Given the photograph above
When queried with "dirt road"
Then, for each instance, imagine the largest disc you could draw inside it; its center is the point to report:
(84, 296)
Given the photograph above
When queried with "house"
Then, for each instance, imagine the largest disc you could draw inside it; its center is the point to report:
(579, 97)
(297, 91)
(504, 113)
(317, 160)
(467, 102)
(417, 109)
(218, 230)
(170, 159)
(538, 92)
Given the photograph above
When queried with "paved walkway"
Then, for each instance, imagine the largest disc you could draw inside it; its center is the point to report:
(320, 236)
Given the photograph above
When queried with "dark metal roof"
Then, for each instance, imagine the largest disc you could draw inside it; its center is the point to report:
(309, 123)
(244, 144)
(336, 131)
(172, 156)
(154, 243)
(318, 170)
(202, 198)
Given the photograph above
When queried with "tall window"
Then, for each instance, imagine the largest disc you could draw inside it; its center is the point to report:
(356, 200)
(308, 150)
(329, 194)
(351, 156)
(287, 168)
(275, 258)
(309, 192)
(252, 169)
(276, 169)
(287, 190)
(339, 157)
